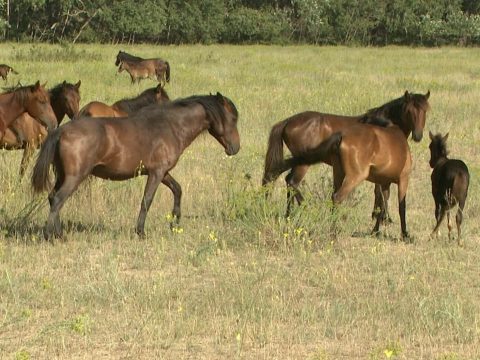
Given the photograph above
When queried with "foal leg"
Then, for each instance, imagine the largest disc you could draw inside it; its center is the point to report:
(459, 219)
(402, 205)
(449, 226)
(153, 180)
(293, 180)
(176, 189)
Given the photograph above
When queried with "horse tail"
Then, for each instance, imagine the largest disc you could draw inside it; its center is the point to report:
(274, 155)
(167, 72)
(327, 148)
(46, 157)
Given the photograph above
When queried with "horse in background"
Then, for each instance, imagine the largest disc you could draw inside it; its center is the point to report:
(450, 181)
(149, 142)
(139, 68)
(125, 107)
(303, 132)
(27, 133)
(5, 70)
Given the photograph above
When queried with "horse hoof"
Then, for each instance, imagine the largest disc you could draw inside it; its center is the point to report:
(408, 239)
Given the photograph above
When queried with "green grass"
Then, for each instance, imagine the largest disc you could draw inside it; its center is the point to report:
(237, 280)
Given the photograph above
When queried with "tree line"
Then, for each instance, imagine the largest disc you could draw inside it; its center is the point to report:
(349, 22)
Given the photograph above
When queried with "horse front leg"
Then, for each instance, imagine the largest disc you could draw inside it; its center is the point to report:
(402, 205)
(27, 154)
(153, 180)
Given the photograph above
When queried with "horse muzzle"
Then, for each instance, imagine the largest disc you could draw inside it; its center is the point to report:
(232, 149)
(417, 136)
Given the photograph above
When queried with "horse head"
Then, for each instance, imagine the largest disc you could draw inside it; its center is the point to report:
(415, 109)
(224, 128)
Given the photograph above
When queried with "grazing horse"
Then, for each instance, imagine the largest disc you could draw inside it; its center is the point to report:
(146, 70)
(33, 99)
(140, 68)
(5, 70)
(375, 150)
(147, 143)
(305, 131)
(27, 133)
(125, 107)
(450, 180)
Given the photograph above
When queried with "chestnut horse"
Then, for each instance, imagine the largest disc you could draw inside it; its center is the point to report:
(147, 143)
(376, 151)
(305, 131)
(5, 70)
(125, 107)
(139, 68)
(450, 180)
(33, 99)
(27, 133)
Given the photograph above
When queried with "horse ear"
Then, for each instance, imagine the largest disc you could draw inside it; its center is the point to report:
(427, 95)
(158, 89)
(77, 85)
(44, 84)
(37, 85)
(64, 82)
(445, 137)
(219, 96)
(407, 95)
(430, 134)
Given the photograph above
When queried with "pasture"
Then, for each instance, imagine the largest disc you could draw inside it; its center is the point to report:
(237, 280)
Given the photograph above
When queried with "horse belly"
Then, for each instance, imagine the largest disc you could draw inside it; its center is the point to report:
(115, 173)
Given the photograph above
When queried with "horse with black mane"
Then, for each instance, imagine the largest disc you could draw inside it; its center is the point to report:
(303, 132)
(125, 107)
(27, 133)
(450, 181)
(149, 142)
(375, 150)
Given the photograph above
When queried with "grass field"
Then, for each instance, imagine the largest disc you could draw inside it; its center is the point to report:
(237, 280)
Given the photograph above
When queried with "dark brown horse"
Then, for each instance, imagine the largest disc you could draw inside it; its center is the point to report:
(5, 70)
(305, 131)
(450, 180)
(27, 133)
(148, 143)
(33, 99)
(125, 107)
(140, 68)
(376, 151)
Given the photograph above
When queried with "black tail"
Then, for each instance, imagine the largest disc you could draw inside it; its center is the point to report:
(167, 74)
(40, 176)
(274, 155)
(319, 154)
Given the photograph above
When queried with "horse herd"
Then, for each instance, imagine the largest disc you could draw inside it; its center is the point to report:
(147, 134)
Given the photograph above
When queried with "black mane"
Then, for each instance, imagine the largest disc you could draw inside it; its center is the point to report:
(439, 146)
(123, 56)
(56, 91)
(147, 97)
(211, 103)
(377, 121)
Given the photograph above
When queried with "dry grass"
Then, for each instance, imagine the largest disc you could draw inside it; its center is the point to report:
(239, 281)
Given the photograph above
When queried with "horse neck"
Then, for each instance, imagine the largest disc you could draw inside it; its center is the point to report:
(395, 114)
(15, 109)
(196, 124)
(58, 109)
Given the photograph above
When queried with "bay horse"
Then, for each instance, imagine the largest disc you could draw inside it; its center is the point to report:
(146, 69)
(27, 133)
(305, 131)
(5, 70)
(125, 107)
(376, 150)
(33, 99)
(450, 180)
(147, 143)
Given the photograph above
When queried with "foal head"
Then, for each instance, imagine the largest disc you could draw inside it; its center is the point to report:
(65, 99)
(438, 148)
(415, 107)
(223, 116)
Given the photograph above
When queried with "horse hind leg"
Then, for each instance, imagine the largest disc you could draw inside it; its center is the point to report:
(458, 220)
(293, 180)
(27, 154)
(176, 189)
(64, 187)
(153, 180)
(381, 215)
(440, 215)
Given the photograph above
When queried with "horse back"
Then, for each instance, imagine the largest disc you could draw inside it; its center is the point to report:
(305, 131)
(450, 181)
